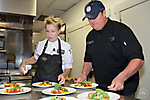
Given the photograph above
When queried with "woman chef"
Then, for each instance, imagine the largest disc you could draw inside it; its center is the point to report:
(53, 56)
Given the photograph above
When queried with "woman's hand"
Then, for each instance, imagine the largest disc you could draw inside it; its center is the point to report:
(23, 65)
(31, 60)
(61, 78)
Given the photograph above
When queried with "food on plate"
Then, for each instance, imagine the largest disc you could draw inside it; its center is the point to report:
(57, 98)
(98, 95)
(84, 84)
(58, 89)
(14, 90)
(12, 84)
(45, 83)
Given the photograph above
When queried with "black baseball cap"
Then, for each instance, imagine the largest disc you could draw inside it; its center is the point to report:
(92, 9)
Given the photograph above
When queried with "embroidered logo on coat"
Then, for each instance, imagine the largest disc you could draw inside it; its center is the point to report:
(62, 51)
(112, 38)
(44, 58)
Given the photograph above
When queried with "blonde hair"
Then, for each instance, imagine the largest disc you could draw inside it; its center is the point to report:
(53, 20)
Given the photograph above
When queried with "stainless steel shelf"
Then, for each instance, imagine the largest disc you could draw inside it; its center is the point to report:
(3, 51)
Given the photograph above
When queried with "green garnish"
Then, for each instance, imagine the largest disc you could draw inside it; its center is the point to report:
(89, 82)
(100, 91)
(83, 83)
(92, 95)
(97, 99)
(11, 82)
(57, 86)
(15, 88)
(46, 82)
(65, 89)
(103, 93)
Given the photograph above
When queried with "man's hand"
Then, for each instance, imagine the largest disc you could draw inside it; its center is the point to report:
(82, 78)
(87, 67)
(117, 84)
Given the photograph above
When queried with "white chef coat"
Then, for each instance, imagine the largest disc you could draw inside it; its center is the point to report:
(67, 58)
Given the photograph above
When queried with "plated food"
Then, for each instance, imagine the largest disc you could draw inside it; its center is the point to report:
(12, 84)
(58, 90)
(14, 90)
(86, 84)
(98, 94)
(43, 84)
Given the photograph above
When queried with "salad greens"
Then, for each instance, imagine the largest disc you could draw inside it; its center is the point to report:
(15, 88)
(84, 83)
(12, 82)
(58, 87)
(99, 95)
(46, 82)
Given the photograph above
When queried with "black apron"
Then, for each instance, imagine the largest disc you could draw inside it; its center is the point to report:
(49, 66)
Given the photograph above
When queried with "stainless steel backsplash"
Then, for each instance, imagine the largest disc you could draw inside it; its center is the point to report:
(18, 44)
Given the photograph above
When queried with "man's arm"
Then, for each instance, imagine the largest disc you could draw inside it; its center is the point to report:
(118, 82)
(87, 67)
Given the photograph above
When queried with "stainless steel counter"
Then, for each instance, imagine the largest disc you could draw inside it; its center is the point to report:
(36, 94)
(14, 75)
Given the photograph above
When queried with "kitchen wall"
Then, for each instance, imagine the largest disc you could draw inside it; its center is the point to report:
(137, 18)
(77, 31)
(38, 37)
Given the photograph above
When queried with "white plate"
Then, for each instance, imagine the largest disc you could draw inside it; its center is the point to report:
(47, 91)
(26, 89)
(66, 97)
(36, 84)
(3, 85)
(93, 85)
(82, 96)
